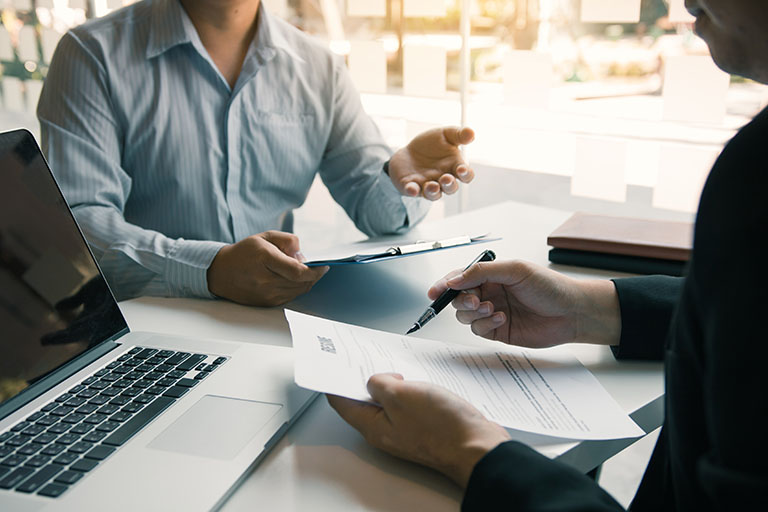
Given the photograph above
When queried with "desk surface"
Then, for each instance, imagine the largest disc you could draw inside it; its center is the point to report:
(322, 463)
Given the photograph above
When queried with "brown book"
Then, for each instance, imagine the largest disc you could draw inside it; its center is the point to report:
(626, 236)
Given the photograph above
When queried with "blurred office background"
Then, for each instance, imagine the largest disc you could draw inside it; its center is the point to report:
(608, 106)
(602, 105)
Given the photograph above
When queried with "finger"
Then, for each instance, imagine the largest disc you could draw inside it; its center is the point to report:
(485, 326)
(383, 388)
(457, 136)
(464, 173)
(484, 310)
(448, 184)
(364, 417)
(439, 287)
(412, 189)
(432, 190)
(503, 272)
(290, 268)
(468, 300)
(288, 243)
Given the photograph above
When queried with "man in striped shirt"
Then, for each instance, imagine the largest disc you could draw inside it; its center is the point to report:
(183, 133)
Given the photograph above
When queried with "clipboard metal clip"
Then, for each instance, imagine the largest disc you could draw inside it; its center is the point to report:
(421, 245)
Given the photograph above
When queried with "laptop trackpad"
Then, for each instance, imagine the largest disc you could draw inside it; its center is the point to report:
(216, 427)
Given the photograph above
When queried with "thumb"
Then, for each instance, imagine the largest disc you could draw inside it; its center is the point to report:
(507, 273)
(288, 243)
(383, 388)
(456, 135)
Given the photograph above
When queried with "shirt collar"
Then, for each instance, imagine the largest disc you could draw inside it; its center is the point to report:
(171, 27)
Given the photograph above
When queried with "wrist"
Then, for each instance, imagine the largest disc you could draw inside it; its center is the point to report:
(599, 315)
(472, 451)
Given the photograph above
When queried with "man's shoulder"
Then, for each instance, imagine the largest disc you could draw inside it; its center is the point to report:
(301, 44)
(121, 26)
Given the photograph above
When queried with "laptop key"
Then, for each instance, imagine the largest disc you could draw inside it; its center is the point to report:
(135, 350)
(37, 461)
(191, 362)
(176, 392)
(33, 430)
(81, 428)
(13, 460)
(66, 458)
(146, 353)
(5, 435)
(38, 479)
(80, 447)
(49, 407)
(120, 416)
(15, 477)
(108, 426)
(95, 436)
(73, 418)
(176, 359)
(29, 449)
(86, 408)
(17, 440)
(44, 438)
(36, 416)
(220, 360)
(120, 400)
(47, 420)
(68, 439)
(20, 426)
(99, 400)
(4, 470)
(84, 465)
(68, 477)
(53, 490)
(58, 428)
(130, 427)
(100, 452)
(53, 449)
(6, 450)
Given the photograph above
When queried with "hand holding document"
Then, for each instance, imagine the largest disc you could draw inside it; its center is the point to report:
(545, 391)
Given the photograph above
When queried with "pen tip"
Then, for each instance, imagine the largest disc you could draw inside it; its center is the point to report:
(412, 329)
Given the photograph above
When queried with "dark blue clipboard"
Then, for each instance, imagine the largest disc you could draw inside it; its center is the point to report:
(404, 250)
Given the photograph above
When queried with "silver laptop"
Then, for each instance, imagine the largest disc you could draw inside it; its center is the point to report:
(93, 416)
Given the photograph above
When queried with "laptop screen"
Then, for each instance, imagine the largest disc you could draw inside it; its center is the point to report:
(54, 303)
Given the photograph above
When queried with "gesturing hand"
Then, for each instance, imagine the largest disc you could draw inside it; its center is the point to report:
(262, 270)
(430, 164)
(422, 423)
(524, 304)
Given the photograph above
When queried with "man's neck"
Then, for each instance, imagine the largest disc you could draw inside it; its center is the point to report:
(226, 29)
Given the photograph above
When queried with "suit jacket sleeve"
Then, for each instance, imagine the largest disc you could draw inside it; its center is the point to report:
(515, 477)
(647, 304)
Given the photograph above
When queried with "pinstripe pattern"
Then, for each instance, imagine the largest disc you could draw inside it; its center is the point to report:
(163, 163)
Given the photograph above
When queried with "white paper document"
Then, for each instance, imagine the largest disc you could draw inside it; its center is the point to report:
(544, 392)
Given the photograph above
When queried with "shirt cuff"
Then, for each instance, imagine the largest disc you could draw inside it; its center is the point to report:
(187, 267)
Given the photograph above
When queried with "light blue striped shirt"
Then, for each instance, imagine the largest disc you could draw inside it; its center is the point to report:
(163, 163)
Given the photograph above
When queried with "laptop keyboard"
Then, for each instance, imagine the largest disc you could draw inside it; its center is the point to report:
(64, 440)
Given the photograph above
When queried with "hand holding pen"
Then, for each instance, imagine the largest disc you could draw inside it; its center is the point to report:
(447, 296)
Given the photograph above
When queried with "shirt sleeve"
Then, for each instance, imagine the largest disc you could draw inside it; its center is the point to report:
(352, 167)
(82, 139)
(513, 476)
(647, 304)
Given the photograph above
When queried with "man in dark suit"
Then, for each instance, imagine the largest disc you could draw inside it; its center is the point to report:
(708, 328)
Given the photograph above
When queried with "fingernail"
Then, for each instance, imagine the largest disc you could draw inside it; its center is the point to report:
(484, 309)
(497, 318)
(461, 171)
(468, 302)
(299, 256)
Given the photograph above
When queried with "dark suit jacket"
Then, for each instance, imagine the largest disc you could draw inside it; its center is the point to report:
(712, 453)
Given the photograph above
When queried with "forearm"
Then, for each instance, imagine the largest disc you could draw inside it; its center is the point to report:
(598, 313)
(138, 262)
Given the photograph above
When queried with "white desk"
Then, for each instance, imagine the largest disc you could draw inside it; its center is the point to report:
(323, 464)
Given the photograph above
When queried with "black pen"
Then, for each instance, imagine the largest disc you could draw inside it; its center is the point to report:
(447, 296)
